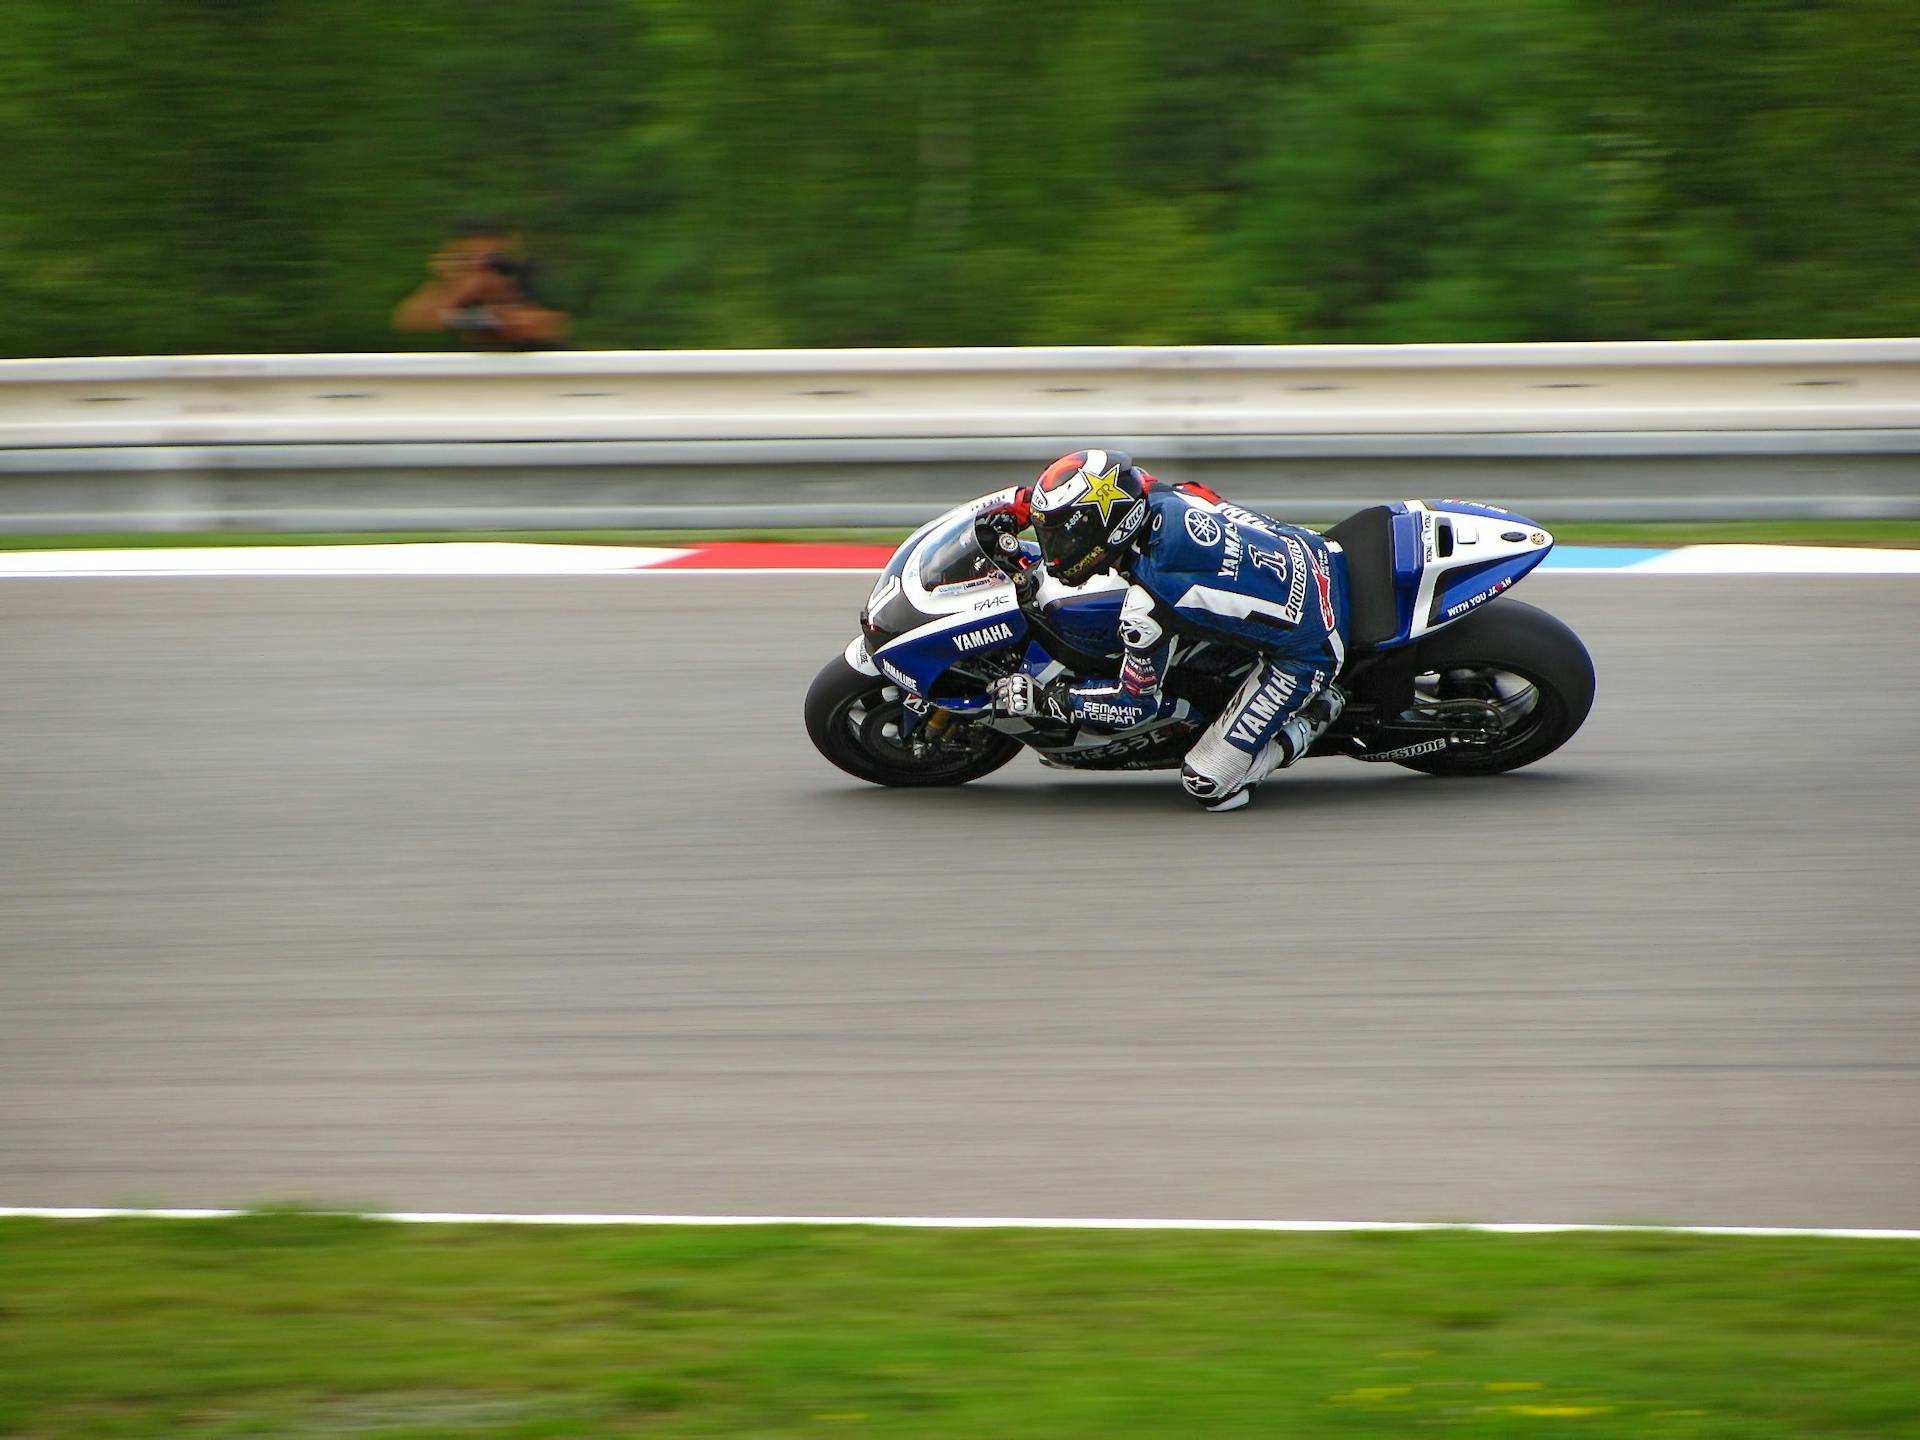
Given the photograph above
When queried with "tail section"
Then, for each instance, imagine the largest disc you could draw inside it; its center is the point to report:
(1416, 565)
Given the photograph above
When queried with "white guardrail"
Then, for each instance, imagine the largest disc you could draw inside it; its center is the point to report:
(1854, 405)
(1728, 386)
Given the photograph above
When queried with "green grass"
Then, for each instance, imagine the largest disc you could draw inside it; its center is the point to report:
(312, 1325)
(1900, 533)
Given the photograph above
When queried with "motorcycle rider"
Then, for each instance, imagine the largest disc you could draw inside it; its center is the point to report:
(1197, 568)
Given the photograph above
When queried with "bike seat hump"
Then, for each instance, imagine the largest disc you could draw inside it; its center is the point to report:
(1416, 565)
(1369, 544)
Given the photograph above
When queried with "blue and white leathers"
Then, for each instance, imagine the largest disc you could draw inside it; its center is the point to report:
(1213, 569)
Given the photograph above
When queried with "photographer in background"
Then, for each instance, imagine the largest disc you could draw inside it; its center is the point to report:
(480, 286)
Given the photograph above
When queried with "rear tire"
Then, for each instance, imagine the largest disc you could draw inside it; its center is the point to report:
(849, 713)
(1508, 640)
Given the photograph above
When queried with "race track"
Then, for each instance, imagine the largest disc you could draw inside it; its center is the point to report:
(531, 894)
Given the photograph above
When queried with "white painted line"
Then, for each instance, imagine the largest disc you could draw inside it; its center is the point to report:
(432, 557)
(1780, 560)
(969, 1222)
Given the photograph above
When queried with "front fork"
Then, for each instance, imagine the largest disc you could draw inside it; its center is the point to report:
(924, 725)
(935, 719)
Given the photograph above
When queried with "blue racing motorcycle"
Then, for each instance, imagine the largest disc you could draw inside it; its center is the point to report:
(1445, 672)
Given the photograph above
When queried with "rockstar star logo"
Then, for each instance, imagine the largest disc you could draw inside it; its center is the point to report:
(1104, 491)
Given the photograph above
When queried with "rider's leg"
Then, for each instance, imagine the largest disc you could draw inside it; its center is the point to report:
(1272, 720)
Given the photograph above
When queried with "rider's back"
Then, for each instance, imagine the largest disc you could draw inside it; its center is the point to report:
(1240, 574)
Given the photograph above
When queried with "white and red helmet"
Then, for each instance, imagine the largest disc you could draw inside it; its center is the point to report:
(1089, 508)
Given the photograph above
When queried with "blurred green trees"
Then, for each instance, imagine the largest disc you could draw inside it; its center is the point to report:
(181, 175)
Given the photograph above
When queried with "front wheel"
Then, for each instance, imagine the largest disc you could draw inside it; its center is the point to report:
(854, 720)
(1520, 660)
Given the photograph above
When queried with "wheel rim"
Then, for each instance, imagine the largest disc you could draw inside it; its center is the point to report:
(1483, 691)
(871, 722)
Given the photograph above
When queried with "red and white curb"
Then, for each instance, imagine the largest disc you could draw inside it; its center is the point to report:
(446, 557)
(482, 558)
(978, 1222)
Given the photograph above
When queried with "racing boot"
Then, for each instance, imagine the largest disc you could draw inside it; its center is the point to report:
(1316, 717)
(1232, 800)
(1222, 777)
(1214, 798)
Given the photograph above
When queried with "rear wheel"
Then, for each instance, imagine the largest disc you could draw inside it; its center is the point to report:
(1508, 660)
(854, 720)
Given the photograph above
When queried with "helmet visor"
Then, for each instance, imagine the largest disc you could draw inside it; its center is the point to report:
(1073, 543)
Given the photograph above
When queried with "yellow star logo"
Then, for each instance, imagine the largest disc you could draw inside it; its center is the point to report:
(1104, 491)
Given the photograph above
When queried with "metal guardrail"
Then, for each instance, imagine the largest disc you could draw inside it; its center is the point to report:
(833, 436)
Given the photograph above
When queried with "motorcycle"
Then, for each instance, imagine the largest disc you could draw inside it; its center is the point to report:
(1446, 673)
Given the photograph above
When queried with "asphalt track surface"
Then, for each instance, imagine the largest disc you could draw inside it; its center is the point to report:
(530, 894)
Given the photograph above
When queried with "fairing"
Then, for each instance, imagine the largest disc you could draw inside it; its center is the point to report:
(939, 601)
(1452, 556)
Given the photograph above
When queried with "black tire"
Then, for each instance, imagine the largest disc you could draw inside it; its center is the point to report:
(1509, 638)
(847, 715)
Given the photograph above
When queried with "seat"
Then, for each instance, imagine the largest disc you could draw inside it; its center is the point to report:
(1367, 541)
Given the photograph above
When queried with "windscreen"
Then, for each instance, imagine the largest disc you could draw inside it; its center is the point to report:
(955, 557)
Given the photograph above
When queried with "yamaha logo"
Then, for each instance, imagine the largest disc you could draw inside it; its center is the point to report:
(974, 639)
(1204, 529)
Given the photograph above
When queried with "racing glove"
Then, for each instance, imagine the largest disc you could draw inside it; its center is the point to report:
(998, 532)
(1022, 697)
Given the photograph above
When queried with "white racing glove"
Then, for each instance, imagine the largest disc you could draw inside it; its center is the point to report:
(1022, 697)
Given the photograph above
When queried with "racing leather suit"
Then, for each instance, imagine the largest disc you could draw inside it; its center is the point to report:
(1208, 569)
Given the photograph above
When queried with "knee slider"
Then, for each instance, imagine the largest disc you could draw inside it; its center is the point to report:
(1201, 787)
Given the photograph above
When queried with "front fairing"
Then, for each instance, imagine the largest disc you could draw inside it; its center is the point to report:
(941, 606)
(1085, 617)
(941, 558)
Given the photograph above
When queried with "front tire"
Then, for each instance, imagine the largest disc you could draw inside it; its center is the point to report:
(1531, 665)
(853, 719)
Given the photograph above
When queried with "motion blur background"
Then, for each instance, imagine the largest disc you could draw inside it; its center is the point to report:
(196, 175)
(529, 894)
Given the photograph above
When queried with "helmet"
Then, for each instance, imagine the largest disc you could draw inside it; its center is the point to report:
(1088, 508)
